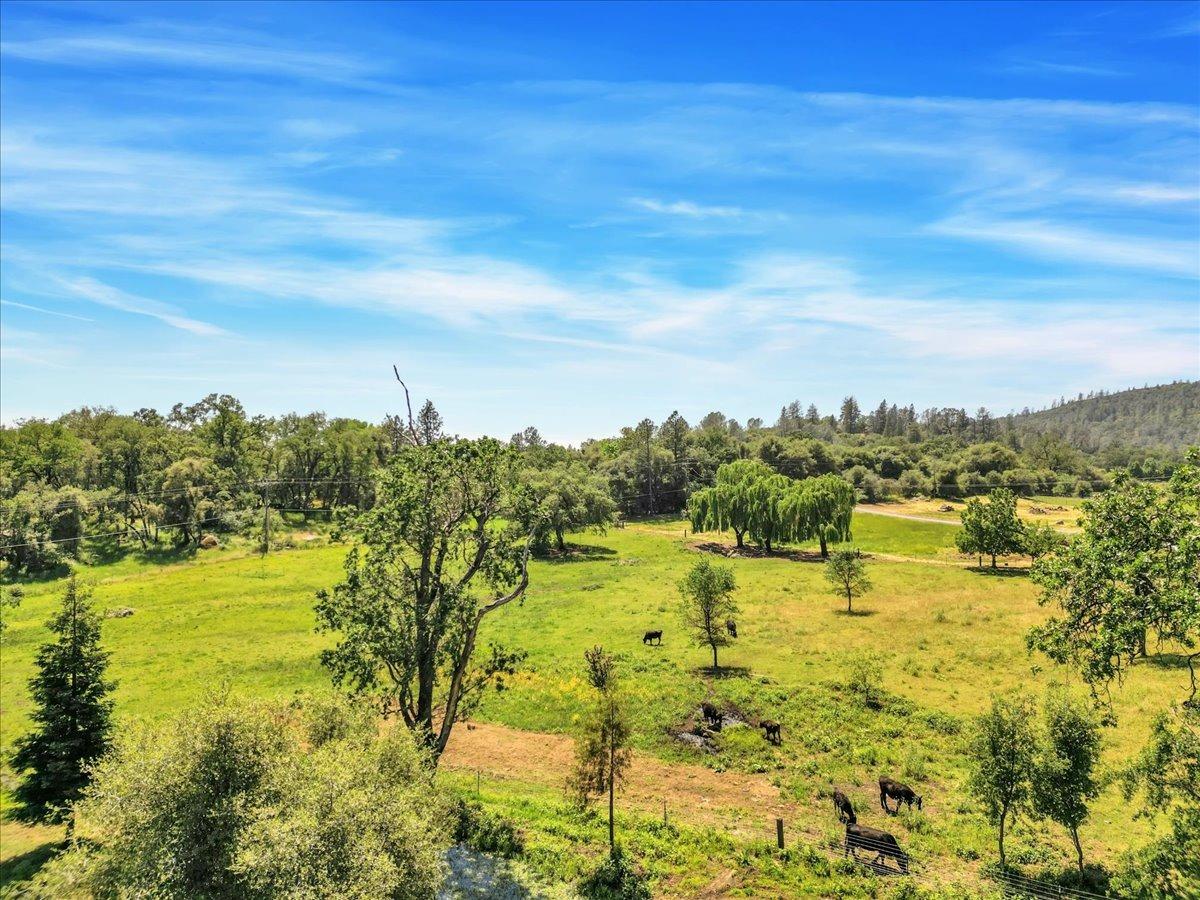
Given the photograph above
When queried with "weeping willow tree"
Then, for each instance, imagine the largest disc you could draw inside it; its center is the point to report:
(767, 522)
(750, 499)
(732, 503)
(830, 502)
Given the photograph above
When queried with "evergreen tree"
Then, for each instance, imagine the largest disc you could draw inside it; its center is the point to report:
(72, 711)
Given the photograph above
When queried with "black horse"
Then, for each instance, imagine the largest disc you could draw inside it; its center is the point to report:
(711, 714)
(731, 627)
(652, 637)
(872, 840)
(771, 730)
(845, 809)
(895, 790)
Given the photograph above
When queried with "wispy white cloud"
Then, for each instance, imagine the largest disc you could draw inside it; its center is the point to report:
(1058, 241)
(48, 312)
(106, 295)
(687, 208)
(222, 50)
(1059, 67)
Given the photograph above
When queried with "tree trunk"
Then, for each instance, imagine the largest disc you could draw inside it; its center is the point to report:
(824, 546)
(558, 532)
(612, 755)
(739, 535)
(1142, 644)
(1003, 818)
(714, 650)
(1078, 849)
(849, 600)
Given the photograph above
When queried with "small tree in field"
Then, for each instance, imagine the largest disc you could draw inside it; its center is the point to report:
(1002, 756)
(72, 711)
(1064, 774)
(991, 528)
(602, 754)
(1040, 540)
(708, 604)
(847, 573)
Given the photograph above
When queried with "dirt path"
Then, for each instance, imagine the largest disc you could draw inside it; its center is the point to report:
(876, 511)
(746, 805)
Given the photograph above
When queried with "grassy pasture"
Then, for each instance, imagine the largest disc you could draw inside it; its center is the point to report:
(1059, 512)
(946, 636)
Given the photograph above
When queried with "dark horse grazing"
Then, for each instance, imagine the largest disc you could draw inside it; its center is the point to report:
(731, 627)
(872, 840)
(652, 637)
(901, 793)
(711, 714)
(845, 809)
(770, 730)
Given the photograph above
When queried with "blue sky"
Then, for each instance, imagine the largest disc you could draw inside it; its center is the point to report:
(579, 215)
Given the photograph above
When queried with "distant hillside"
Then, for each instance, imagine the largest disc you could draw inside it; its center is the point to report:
(1167, 415)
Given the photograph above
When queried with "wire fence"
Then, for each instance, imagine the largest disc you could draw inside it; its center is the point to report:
(873, 850)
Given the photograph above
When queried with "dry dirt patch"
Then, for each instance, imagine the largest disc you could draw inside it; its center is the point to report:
(743, 804)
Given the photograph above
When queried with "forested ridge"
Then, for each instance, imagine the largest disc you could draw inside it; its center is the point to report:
(1167, 415)
(212, 466)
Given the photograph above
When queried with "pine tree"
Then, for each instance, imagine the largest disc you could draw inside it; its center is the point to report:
(72, 711)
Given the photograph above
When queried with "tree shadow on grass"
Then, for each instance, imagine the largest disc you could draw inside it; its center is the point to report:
(723, 672)
(110, 551)
(25, 866)
(1001, 572)
(1167, 661)
(576, 553)
(855, 613)
(731, 551)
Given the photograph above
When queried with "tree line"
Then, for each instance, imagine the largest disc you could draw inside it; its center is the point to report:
(148, 478)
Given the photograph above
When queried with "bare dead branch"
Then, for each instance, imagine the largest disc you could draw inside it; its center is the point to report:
(412, 427)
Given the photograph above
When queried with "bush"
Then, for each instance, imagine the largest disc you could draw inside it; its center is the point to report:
(615, 879)
(485, 831)
(912, 483)
(226, 801)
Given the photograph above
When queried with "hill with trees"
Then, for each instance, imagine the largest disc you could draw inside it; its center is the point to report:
(1166, 415)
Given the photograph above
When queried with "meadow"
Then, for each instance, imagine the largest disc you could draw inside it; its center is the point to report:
(944, 636)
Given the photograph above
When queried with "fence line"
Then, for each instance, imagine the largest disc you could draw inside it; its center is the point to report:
(770, 829)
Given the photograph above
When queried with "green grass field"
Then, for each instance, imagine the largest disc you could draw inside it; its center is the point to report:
(946, 636)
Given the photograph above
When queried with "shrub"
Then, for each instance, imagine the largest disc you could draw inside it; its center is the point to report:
(912, 483)
(226, 801)
(485, 831)
(615, 879)
(864, 679)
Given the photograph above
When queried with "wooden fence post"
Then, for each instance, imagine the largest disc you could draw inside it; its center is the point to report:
(779, 832)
